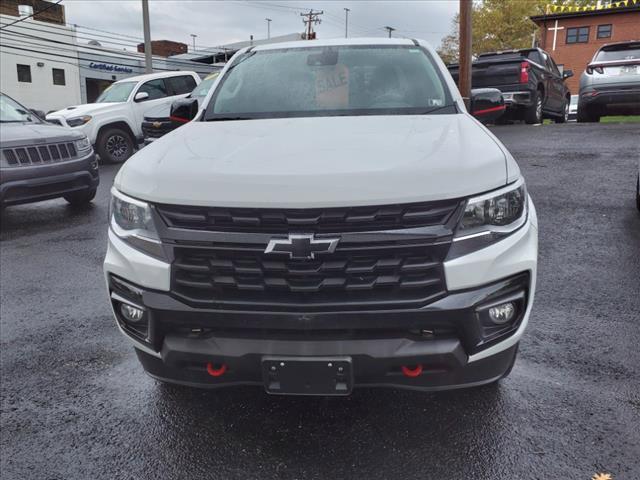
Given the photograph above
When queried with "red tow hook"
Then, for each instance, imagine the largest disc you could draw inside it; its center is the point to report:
(412, 372)
(216, 372)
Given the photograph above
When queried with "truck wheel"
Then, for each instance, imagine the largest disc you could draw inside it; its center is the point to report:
(533, 113)
(78, 199)
(564, 118)
(114, 145)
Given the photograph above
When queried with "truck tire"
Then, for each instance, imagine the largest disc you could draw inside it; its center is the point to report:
(564, 117)
(587, 115)
(78, 199)
(114, 145)
(533, 113)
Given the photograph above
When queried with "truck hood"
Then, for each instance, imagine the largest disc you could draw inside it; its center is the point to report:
(318, 162)
(85, 109)
(18, 134)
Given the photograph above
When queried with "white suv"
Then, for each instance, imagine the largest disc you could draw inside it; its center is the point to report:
(333, 217)
(113, 123)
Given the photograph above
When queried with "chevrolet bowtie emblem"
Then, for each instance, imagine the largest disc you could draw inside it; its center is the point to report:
(156, 124)
(302, 246)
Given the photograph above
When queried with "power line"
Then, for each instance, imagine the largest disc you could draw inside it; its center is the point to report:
(22, 19)
(90, 49)
(312, 18)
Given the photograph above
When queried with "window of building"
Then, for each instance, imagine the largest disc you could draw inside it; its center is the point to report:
(58, 76)
(181, 84)
(155, 89)
(24, 73)
(604, 31)
(578, 35)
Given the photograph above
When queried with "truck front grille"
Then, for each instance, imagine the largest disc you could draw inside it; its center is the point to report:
(355, 276)
(39, 155)
(313, 220)
(157, 129)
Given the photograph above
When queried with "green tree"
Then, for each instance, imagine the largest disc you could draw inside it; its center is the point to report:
(500, 25)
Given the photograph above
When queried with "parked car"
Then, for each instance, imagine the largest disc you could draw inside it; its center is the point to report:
(573, 108)
(157, 121)
(529, 79)
(112, 124)
(40, 161)
(333, 217)
(610, 85)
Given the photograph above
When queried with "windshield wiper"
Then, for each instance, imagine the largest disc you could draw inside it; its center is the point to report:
(222, 119)
(435, 109)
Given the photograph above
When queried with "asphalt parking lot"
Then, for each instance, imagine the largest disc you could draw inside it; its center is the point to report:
(75, 404)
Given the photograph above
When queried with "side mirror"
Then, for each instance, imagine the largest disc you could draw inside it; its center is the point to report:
(141, 97)
(487, 104)
(38, 113)
(567, 74)
(184, 110)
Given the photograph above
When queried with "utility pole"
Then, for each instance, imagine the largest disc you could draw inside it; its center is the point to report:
(148, 60)
(464, 61)
(346, 22)
(391, 29)
(194, 41)
(313, 18)
(268, 28)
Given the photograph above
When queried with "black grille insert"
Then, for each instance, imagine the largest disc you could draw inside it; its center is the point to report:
(313, 220)
(375, 276)
(41, 154)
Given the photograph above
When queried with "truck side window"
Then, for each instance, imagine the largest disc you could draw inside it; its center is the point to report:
(155, 88)
(181, 84)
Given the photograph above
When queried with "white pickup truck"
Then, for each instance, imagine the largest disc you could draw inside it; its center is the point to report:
(113, 123)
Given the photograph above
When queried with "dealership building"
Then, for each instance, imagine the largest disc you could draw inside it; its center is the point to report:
(47, 65)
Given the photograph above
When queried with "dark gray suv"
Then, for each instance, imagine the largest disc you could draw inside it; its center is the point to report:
(40, 161)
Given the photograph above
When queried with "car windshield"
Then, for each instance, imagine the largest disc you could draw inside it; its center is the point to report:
(118, 92)
(619, 53)
(201, 90)
(325, 81)
(12, 111)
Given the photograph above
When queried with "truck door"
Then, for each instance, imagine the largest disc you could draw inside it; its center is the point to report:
(554, 85)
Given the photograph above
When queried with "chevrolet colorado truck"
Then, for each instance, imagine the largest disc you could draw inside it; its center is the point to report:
(532, 84)
(113, 122)
(332, 218)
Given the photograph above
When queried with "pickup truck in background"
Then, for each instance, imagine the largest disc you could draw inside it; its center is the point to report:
(113, 123)
(530, 81)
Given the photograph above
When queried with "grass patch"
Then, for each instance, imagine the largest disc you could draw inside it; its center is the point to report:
(621, 119)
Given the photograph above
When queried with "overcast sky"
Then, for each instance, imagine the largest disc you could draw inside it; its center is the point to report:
(221, 22)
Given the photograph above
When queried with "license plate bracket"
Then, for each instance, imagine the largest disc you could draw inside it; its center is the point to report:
(307, 375)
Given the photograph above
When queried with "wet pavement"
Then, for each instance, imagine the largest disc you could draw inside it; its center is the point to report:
(75, 404)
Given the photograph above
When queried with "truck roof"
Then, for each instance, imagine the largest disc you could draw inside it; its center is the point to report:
(151, 76)
(338, 42)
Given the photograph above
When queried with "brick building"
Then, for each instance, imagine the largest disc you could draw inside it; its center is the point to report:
(572, 37)
(50, 13)
(164, 48)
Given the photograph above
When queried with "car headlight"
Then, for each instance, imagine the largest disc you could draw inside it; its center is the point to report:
(77, 121)
(83, 145)
(131, 220)
(491, 217)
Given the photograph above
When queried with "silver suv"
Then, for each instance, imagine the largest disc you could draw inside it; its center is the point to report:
(610, 85)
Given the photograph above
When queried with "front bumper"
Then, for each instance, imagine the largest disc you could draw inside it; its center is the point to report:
(445, 336)
(26, 184)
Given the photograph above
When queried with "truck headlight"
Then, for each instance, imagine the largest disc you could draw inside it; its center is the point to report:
(490, 217)
(77, 121)
(131, 220)
(83, 145)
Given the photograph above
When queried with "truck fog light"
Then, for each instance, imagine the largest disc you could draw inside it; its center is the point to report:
(501, 314)
(130, 313)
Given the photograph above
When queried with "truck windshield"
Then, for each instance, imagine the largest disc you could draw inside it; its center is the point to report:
(326, 81)
(12, 111)
(118, 92)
